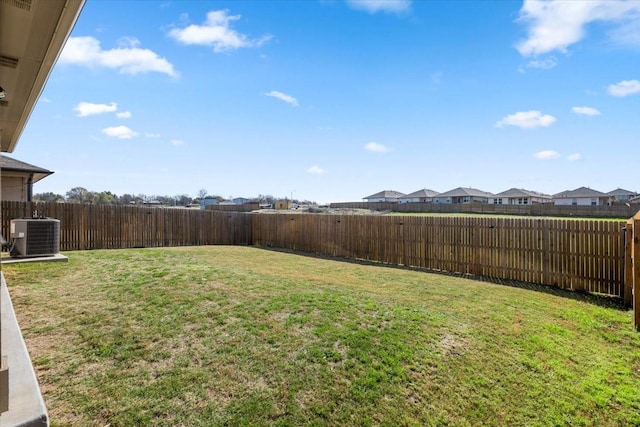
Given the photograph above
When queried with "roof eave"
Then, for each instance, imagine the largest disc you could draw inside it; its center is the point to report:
(66, 21)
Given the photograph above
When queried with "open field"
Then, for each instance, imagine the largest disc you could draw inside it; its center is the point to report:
(483, 215)
(222, 335)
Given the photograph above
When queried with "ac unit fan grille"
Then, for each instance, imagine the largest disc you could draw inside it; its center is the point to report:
(43, 239)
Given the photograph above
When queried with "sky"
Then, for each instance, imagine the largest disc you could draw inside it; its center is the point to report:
(335, 100)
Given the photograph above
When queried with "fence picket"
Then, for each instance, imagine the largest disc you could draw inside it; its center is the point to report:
(580, 255)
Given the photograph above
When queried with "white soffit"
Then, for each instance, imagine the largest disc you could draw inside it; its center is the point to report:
(32, 34)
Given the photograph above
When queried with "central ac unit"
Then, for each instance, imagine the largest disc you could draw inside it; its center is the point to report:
(35, 237)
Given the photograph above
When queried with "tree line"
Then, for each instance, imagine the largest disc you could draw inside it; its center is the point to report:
(82, 195)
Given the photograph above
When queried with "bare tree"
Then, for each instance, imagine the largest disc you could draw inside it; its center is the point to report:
(78, 195)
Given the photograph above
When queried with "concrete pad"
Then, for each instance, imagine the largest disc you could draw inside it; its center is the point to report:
(48, 258)
(26, 405)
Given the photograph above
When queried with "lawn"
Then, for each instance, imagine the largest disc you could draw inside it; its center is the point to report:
(506, 216)
(206, 336)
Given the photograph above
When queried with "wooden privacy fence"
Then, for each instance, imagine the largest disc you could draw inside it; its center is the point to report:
(85, 226)
(537, 209)
(632, 267)
(578, 255)
(586, 255)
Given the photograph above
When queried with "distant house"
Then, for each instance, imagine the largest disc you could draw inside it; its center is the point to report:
(421, 196)
(582, 196)
(283, 204)
(620, 195)
(385, 196)
(462, 195)
(240, 200)
(18, 178)
(519, 196)
(208, 201)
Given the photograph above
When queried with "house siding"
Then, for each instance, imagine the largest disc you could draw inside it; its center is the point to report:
(14, 188)
(207, 202)
(415, 200)
(578, 201)
(382, 199)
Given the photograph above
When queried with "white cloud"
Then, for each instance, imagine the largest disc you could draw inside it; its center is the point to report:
(587, 111)
(557, 24)
(546, 155)
(388, 6)
(124, 115)
(84, 109)
(545, 64)
(120, 132)
(624, 88)
(216, 32)
(127, 59)
(575, 157)
(151, 135)
(283, 97)
(316, 170)
(527, 120)
(176, 142)
(376, 148)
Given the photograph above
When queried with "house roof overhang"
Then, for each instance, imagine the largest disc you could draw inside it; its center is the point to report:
(32, 35)
(18, 167)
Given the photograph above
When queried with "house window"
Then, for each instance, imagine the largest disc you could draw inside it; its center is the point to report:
(574, 202)
(594, 202)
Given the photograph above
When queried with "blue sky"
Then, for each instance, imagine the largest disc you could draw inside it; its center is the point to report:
(334, 100)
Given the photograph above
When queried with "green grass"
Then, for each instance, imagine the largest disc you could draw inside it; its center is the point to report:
(214, 336)
(507, 216)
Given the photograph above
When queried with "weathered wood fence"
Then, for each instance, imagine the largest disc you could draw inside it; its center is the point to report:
(584, 255)
(588, 255)
(245, 207)
(538, 209)
(86, 226)
(632, 268)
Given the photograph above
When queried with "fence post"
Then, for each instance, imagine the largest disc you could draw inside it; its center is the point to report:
(627, 293)
(543, 225)
(636, 272)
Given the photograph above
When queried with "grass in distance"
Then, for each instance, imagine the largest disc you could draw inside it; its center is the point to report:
(244, 336)
(505, 216)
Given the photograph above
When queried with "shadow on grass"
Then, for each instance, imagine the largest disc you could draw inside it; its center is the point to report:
(601, 300)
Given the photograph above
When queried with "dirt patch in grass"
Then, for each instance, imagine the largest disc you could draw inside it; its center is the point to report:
(453, 345)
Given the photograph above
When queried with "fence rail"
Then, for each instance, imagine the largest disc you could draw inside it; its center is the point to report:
(584, 255)
(539, 209)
